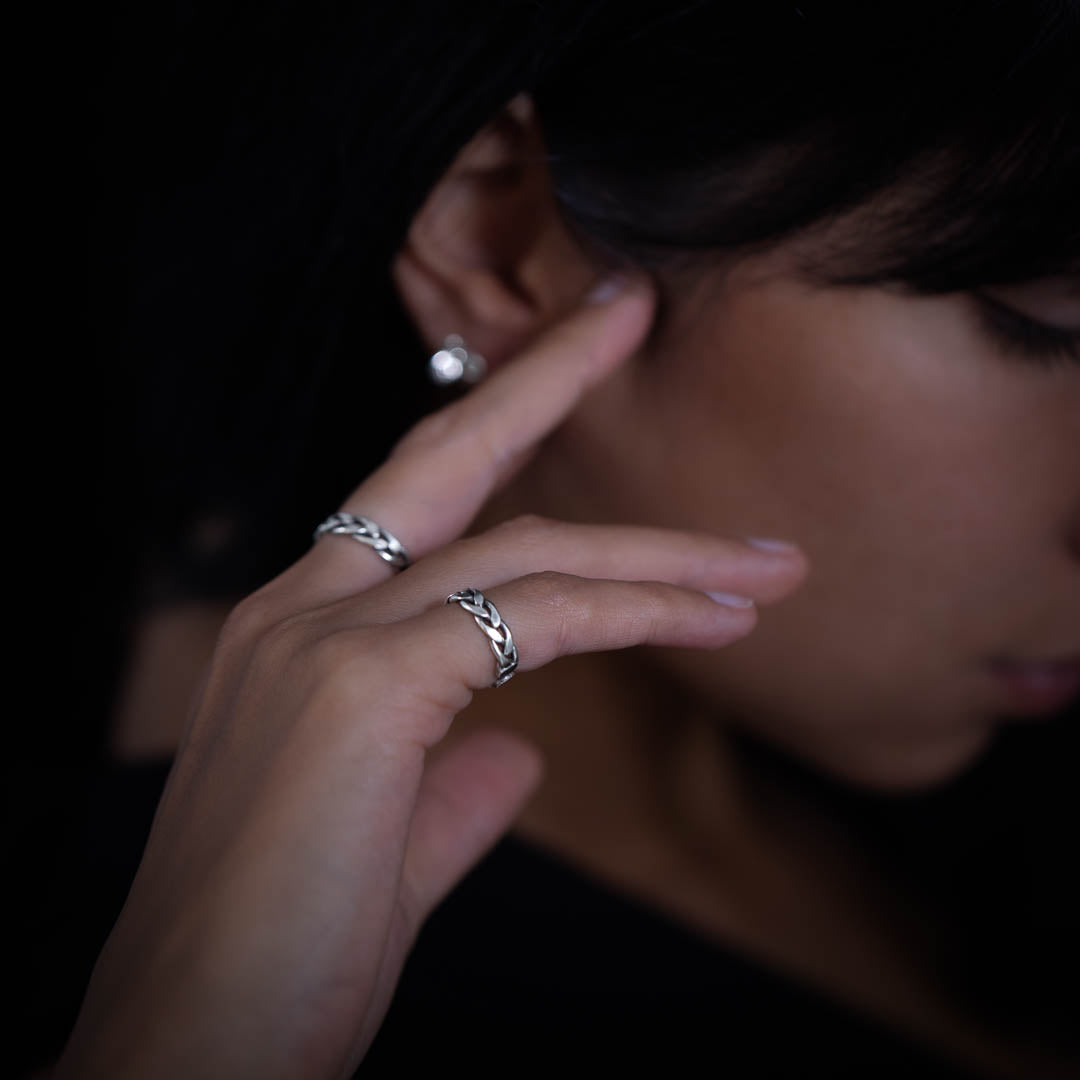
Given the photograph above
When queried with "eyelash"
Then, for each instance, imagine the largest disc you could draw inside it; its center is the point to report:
(1017, 334)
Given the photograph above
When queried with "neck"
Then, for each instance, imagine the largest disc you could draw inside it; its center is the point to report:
(650, 793)
(630, 768)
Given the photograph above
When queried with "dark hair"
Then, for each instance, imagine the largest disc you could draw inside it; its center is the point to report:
(948, 132)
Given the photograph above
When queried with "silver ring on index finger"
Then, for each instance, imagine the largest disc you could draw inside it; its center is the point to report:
(387, 546)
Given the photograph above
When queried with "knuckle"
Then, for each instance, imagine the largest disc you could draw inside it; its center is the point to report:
(549, 587)
(256, 629)
(527, 527)
(564, 605)
(276, 642)
(576, 612)
(557, 595)
(248, 620)
(342, 659)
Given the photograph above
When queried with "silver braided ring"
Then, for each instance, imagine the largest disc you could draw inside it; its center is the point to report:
(386, 545)
(487, 617)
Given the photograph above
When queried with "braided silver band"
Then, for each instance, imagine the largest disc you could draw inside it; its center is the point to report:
(386, 545)
(486, 616)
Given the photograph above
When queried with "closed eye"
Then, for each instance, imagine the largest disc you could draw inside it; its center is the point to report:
(1020, 335)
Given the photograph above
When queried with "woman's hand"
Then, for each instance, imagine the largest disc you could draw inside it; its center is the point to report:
(301, 842)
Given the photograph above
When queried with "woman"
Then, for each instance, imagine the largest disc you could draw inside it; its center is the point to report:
(844, 313)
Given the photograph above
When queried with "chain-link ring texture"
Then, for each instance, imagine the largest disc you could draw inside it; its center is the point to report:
(487, 617)
(386, 545)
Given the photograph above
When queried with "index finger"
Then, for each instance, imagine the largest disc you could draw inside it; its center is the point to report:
(444, 470)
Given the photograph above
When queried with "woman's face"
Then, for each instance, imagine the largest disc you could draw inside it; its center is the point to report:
(931, 475)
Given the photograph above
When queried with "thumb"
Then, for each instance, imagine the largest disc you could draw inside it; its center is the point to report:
(468, 798)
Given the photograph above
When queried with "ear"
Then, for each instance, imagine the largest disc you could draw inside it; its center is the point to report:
(487, 256)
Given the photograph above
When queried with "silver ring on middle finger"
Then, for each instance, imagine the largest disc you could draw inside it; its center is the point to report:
(487, 617)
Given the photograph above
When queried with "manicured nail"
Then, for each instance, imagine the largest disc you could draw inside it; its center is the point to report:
(764, 544)
(731, 600)
(607, 289)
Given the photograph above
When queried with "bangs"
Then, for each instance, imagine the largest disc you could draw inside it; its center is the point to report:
(993, 208)
(942, 153)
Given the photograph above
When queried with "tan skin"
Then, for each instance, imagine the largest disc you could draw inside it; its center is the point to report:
(933, 489)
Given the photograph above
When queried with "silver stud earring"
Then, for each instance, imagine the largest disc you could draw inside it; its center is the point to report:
(454, 363)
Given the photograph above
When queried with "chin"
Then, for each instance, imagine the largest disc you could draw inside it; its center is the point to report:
(907, 766)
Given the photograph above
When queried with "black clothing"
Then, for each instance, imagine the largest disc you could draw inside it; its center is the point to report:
(529, 964)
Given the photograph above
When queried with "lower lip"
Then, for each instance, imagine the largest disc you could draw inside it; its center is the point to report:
(1036, 689)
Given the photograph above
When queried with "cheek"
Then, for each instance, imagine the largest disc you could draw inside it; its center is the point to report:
(864, 427)
(824, 412)
(928, 482)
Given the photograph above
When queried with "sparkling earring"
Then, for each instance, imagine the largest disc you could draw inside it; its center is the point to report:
(454, 363)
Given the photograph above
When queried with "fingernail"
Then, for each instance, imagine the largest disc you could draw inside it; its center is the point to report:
(731, 600)
(607, 289)
(765, 544)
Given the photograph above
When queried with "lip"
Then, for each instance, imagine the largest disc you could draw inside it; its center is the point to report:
(1037, 687)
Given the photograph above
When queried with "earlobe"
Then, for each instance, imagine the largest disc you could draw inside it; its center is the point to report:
(487, 256)
(474, 304)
